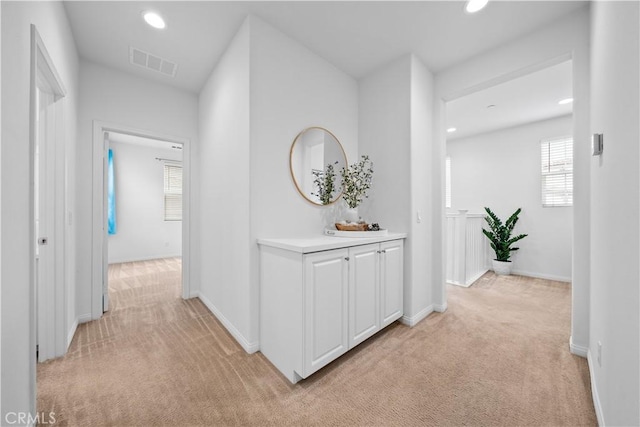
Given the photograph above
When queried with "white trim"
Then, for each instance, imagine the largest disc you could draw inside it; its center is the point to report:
(542, 276)
(146, 258)
(440, 308)
(98, 260)
(414, 320)
(84, 318)
(49, 316)
(594, 392)
(470, 281)
(72, 332)
(576, 349)
(246, 345)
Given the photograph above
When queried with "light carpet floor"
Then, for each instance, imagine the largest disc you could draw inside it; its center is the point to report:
(498, 356)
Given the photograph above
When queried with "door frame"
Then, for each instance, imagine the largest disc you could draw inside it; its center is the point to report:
(43, 71)
(99, 212)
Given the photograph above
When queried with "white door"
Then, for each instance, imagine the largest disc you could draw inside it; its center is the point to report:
(391, 281)
(364, 298)
(325, 308)
(44, 179)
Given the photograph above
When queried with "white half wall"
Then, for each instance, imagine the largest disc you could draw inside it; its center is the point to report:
(501, 170)
(142, 233)
(114, 97)
(566, 38)
(615, 209)
(18, 352)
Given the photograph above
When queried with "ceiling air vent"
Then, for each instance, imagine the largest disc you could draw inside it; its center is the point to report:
(152, 62)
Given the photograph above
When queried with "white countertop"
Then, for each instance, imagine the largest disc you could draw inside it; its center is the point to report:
(323, 243)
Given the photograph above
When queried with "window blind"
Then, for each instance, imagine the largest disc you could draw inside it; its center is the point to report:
(556, 157)
(447, 182)
(172, 192)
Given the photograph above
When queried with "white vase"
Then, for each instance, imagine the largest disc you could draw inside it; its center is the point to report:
(351, 215)
(502, 268)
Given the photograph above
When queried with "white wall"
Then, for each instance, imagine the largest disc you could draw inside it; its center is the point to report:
(291, 89)
(142, 233)
(18, 357)
(424, 213)
(501, 170)
(566, 38)
(1, 413)
(264, 91)
(224, 173)
(615, 176)
(395, 130)
(111, 96)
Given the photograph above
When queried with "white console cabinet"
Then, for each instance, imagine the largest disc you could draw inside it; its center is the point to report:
(322, 296)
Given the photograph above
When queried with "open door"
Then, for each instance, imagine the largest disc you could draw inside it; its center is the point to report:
(108, 182)
(47, 148)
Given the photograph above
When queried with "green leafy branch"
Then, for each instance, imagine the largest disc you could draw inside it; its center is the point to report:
(356, 181)
(325, 183)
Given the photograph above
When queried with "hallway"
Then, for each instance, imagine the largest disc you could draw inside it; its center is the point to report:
(498, 356)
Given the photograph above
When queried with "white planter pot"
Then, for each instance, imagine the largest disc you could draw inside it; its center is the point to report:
(502, 268)
(351, 215)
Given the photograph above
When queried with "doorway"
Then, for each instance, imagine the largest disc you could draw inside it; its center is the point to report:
(48, 205)
(102, 133)
(510, 146)
(144, 219)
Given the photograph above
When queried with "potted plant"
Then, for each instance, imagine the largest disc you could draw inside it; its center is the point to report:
(356, 181)
(499, 235)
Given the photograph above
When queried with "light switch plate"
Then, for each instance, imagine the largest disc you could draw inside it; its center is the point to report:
(597, 143)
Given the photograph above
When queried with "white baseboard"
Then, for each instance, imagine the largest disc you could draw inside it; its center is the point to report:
(451, 282)
(72, 332)
(415, 319)
(144, 258)
(576, 349)
(84, 318)
(542, 276)
(440, 308)
(470, 281)
(246, 345)
(594, 391)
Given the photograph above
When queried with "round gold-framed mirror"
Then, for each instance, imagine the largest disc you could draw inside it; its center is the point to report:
(315, 160)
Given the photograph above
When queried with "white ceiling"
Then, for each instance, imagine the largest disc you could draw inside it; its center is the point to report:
(523, 100)
(356, 36)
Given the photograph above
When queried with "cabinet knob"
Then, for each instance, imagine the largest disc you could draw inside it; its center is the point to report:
(346, 258)
(384, 251)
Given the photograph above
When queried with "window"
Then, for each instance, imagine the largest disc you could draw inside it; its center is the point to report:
(172, 192)
(557, 171)
(447, 183)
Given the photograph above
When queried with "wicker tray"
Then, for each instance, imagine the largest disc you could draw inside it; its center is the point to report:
(352, 227)
(337, 233)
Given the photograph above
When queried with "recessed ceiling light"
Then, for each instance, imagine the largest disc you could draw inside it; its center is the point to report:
(565, 101)
(474, 6)
(450, 130)
(154, 20)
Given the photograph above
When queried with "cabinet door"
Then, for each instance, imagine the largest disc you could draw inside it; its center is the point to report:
(364, 295)
(325, 308)
(391, 281)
